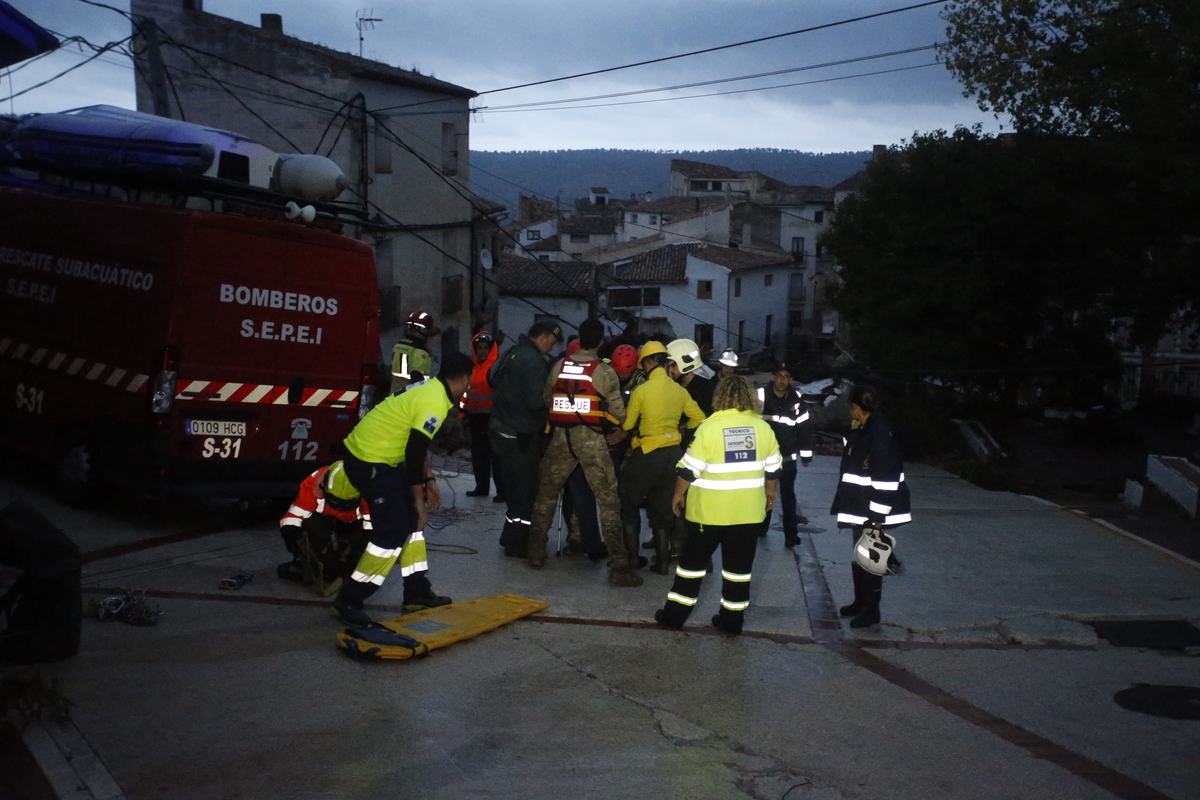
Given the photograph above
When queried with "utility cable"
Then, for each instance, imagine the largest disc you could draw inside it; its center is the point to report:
(86, 61)
(811, 29)
(715, 81)
(720, 94)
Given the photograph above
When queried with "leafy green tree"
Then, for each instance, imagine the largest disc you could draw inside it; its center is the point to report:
(992, 263)
(1096, 67)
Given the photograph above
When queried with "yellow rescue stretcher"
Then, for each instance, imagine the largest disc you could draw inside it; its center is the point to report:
(417, 633)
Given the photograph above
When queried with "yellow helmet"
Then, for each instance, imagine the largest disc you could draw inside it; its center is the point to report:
(685, 354)
(337, 486)
(650, 348)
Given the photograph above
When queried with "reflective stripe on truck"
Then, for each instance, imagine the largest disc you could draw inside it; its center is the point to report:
(135, 382)
(96, 371)
(228, 392)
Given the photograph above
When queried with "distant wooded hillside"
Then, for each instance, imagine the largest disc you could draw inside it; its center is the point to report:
(569, 174)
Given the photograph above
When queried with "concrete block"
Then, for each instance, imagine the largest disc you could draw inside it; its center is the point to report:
(1178, 478)
(1133, 493)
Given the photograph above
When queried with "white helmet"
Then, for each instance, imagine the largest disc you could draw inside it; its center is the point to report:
(872, 550)
(728, 358)
(685, 354)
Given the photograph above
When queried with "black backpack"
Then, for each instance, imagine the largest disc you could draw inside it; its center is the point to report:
(41, 613)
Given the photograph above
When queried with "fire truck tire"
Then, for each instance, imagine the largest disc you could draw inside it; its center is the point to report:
(74, 471)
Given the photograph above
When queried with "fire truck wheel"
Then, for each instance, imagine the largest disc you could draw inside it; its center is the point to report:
(74, 472)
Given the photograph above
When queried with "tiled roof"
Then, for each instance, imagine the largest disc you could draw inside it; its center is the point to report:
(550, 243)
(735, 260)
(587, 225)
(675, 207)
(664, 265)
(795, 195)
(523, 277)
(852, 184)
(698, 169)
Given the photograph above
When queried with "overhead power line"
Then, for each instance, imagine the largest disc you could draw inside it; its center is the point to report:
(811, 29)
(715, 80)
(721, 94)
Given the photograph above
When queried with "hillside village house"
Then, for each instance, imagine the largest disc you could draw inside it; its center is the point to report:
(531, 291)
(718, 296)
(344, 106)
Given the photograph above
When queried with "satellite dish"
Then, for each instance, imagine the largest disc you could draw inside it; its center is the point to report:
(485, 258)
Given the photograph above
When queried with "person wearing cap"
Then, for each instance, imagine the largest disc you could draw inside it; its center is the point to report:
(477, 407)
(727, 364)
(655, 409)
(324, 530)
(783, 409)
(584, 397)
(517, 429)
(388, 462)
(411, 361)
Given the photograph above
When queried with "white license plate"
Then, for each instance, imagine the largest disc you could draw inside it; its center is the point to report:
(215, 427)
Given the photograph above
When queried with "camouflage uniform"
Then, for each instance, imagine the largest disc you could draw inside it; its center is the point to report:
(584, 446)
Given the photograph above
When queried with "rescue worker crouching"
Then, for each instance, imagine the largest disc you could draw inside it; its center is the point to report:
(411, 361)
(655, 409)
(584, 395)
(477, 407)
(871, 497)
(726, 488)
(325, 529)
(388, 463)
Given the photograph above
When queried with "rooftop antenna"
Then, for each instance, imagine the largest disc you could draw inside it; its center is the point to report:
(364, 20)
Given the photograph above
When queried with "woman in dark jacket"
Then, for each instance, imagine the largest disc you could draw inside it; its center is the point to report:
(871, 494)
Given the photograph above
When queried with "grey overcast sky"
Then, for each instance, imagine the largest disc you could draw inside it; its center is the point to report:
(488, 46)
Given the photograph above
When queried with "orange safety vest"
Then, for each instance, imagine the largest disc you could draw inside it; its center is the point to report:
(575, 400)
(479, 392)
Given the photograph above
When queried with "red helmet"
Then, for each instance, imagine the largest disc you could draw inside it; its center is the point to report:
(572, 346)
(624, 358)
(421, 319)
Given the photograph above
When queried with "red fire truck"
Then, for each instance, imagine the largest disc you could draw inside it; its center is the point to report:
(179, 350)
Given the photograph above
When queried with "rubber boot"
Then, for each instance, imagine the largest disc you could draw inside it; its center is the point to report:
(873, 584)
(662, 551)
(632, 531)
(860, 592)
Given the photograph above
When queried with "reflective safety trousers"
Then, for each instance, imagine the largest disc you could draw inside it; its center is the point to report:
(728, 463)
(872, 489)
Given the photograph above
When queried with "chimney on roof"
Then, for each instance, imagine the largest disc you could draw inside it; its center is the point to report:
(272, 24)
(878, 151)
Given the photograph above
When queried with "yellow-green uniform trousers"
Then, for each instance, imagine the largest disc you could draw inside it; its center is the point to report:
(583, 446)
(655, 409)
(376, 468)
(728, 464)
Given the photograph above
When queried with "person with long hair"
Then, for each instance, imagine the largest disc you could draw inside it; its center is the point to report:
(725, 488)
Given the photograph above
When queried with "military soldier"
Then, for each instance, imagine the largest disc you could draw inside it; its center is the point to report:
(584, 395)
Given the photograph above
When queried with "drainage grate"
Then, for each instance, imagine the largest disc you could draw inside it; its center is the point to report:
(1160, 634)
(1172, 702)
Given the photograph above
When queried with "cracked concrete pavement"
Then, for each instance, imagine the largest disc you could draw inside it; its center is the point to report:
(984, 681)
